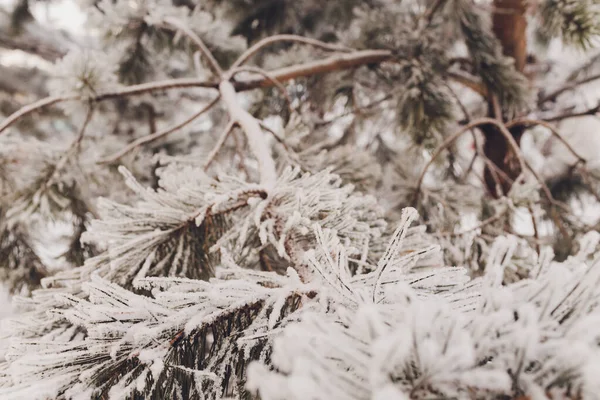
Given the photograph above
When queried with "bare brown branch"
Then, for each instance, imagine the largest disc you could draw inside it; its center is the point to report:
(285, 38)
(450, 139)
(157, 135)
(220, 142)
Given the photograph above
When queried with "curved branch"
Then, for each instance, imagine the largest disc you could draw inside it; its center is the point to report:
(493, 168)
(75, 144)
(456, 135)
(536, 232)
(88, 118)
(469, 81)
(220, 142)
(590, 111)
(334, 63)
(569, 86)
(48, 101)
(546, 189)
(127, 91)
(268, 76)
(157, 135)
(285, 38)
(481, 225)
(212, 62)
(181, 83)
(432, 10)
(275, 135)
(532, 122)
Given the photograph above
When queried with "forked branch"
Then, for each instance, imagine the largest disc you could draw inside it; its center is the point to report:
(335, 63)
(220, 142)
(533, 122)
(251, 127)
(448, 142)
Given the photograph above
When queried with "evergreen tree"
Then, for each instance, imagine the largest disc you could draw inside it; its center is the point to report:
(279, 199)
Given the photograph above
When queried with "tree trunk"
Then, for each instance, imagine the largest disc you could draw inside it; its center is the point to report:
(510, 25)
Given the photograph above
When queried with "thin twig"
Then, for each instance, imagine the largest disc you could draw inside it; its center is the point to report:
(483, 223)
(569, 86)
(561, 226)
(340, 62)
(532, 122)
(88, 118)
(586, 180)
(74, 145)
(584, 67)
(468, 81)
(285, 38)
(470, 167)
(461, 105)
(238, 150)
(430, 12)
(197, 63)
(127, 91)
(546, 189)
(220, 142)
(334, 63)
(360, 109)
(536, 232)
(591, 111)
(157, 135)
(48, 101)
(268, 76)
(493, 168)
(275, 135)
(456, 135)
(212, 62)
(182, 83)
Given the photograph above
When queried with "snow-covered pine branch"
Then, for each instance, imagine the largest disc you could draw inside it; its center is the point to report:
(195, 337)
(532, 339)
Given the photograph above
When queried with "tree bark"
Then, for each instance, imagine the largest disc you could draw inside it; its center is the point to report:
(509, 25)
